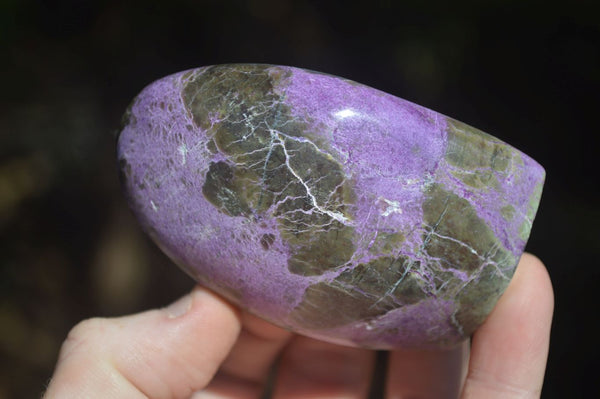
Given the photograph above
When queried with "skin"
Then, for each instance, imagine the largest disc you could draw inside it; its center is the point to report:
(202, 347)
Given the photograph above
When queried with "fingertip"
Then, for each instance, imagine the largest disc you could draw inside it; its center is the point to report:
(206, 303)
(178, 349)
(530, 294)
(509, 351)
(538, 278)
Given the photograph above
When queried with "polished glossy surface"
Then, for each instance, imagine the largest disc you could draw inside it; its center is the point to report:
(328, 207)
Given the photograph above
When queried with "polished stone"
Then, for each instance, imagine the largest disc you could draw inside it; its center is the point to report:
(327, 207)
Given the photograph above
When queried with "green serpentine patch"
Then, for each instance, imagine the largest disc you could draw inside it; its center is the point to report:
(271, 166)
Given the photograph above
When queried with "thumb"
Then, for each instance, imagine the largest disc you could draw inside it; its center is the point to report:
(166, 353)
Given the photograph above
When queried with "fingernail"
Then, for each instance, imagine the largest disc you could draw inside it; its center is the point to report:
(179, 307)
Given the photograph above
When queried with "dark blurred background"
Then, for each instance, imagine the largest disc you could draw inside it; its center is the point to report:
(69, 248)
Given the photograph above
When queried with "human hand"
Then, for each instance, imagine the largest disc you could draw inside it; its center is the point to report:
(202, 347)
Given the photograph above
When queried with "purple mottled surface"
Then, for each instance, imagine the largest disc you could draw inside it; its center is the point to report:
(399, 163)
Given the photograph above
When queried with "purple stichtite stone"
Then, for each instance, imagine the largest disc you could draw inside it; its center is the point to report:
(327, 207)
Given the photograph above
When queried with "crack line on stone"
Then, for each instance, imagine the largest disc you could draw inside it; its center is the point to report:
(334, 215)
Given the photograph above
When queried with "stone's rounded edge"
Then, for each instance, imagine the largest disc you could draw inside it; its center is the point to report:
(362, 333)
(424, 325)
(137, 154)
(538, 178)
(503, 189)
(184, 236)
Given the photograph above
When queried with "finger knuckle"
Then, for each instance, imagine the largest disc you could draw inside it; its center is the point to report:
(83, 337)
